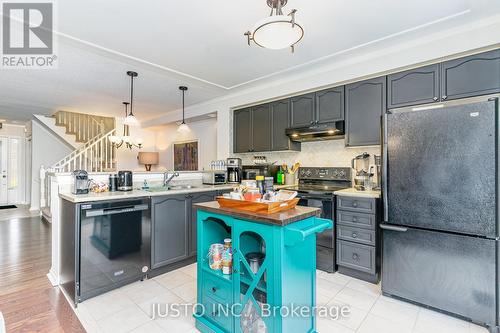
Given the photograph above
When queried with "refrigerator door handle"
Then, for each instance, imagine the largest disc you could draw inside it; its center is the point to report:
(384, 169)
(393, 228)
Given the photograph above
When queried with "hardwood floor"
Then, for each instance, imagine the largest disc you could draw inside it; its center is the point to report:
(28, 301)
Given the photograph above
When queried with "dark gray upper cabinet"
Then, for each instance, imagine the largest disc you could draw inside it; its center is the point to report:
(474, 75)
(365, 104)
(169, 230)
(261, 128)
(242, 126)
(412, 87)
(280, 116)
(303, 110)
(330, 105)
(194, 199)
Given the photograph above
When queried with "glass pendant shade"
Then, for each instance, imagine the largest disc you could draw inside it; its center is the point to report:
(131, 120)
(183, 128)
(277, 32)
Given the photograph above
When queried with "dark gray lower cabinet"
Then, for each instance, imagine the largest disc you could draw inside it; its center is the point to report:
(358, 240)
(413, 87)
(194, 199)
(364, 105)
(170, 230)
(474, 75)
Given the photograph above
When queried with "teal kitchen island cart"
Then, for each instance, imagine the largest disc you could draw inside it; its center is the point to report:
(271, 288)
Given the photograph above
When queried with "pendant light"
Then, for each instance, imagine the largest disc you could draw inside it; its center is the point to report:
(183, 127)
(130, 119)
(276, 31)
(126, 139)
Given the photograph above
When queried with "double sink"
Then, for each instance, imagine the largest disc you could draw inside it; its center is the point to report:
(169, 188)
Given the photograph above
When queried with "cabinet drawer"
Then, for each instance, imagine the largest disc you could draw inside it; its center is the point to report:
(217, 289)
(363, 205)
(355, 219)
(358, 235)
(218, 312)
(356, 256)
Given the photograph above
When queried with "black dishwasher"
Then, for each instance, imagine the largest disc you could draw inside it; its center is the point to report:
(114, 239)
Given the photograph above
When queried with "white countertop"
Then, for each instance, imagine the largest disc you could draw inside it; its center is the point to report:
(92, 197)
(352, 192)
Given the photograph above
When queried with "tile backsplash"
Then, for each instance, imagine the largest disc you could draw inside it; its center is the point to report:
(330, 153)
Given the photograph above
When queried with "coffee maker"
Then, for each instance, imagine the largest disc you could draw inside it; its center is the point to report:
(125, 181)
(233, 170)
(362, 175)
(80, 182)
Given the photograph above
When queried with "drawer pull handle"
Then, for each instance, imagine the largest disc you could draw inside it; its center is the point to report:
(354, 235)
(355, 204)
(354, 219)
(355, 256)
(214, 290)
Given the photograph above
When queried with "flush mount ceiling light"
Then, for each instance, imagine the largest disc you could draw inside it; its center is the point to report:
(130, 119)
(183, 127)
(276, 31)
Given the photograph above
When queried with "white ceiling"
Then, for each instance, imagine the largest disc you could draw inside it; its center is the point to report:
(201, 44)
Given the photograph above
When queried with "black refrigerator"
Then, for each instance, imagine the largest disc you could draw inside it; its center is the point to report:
(441, 227)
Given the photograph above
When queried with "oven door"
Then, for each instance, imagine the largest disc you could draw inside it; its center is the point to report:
(326, 204)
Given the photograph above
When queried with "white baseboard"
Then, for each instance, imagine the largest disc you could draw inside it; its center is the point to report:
(54, 280)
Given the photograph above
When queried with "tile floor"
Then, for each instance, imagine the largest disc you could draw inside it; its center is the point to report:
(128, 309)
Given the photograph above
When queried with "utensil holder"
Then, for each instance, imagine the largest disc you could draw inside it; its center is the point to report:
(290, 179)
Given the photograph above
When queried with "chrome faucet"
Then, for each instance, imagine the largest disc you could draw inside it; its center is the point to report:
(167, 179)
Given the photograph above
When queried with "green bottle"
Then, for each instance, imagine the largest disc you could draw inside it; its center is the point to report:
(280, 177)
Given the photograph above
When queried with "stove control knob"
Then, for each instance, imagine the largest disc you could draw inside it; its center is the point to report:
(335, 173)
(302, 172)
(308, 173)
(342, 173)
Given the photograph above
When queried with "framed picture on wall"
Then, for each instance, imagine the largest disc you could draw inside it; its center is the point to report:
(186, 155)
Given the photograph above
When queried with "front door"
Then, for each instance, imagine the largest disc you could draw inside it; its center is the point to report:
(4, 142)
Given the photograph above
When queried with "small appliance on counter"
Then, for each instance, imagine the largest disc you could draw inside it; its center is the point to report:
(233, 170)
(125, 182)
(80, 182)
(266, 170)
(363, 177)
(214, 177)
(113, 182)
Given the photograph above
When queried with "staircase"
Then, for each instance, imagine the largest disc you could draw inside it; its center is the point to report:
(96, 154)
(84, 127)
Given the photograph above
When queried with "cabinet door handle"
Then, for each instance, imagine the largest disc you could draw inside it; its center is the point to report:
(355, 256)
(355, 204)
(435, 98)
(311, 122)
(444, 97)
(354, 235)
(214, 290)
(354, 219)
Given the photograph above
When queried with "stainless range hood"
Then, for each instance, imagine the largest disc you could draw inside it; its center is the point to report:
(318, 132)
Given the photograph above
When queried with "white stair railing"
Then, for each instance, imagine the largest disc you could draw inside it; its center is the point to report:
(96, 155)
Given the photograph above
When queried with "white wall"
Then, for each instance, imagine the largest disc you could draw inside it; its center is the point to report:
(47, 149)
(205, 131)
(127, 158)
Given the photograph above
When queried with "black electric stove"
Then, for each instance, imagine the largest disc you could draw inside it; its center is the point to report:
(316, 189)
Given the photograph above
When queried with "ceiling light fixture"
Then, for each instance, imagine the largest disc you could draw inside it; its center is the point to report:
(126, 139)
(183, 127)
(277, 31)
(130, 119)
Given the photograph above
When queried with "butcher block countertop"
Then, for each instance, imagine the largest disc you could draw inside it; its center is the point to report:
(281, 218)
